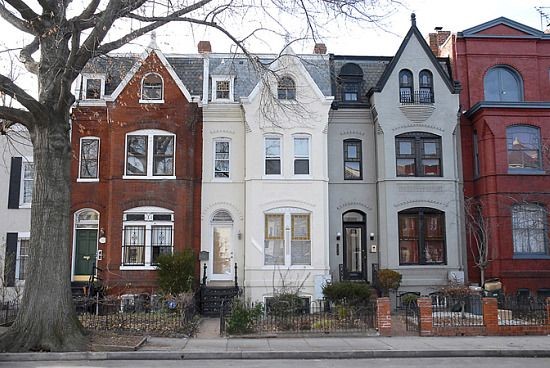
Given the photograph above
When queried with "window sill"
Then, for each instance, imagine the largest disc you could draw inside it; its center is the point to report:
(151, 101)
(302, 177)
(272, 177)
(531, 256)
(138, 268)
(221, 180)
(144, 177)
(526, 172)
(25, 205)
(86, 180)
(292, 267)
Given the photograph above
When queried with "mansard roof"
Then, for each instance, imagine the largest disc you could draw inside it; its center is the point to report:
(523, 30)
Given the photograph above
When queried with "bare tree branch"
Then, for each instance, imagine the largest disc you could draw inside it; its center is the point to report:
(12, 115)
(15, 21)
(26, 12)
(17, 93)
(25, 56)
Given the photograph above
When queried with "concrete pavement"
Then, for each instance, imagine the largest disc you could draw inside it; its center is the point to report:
(313, 348)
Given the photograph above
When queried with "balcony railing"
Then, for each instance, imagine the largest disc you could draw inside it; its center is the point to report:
(416, 97)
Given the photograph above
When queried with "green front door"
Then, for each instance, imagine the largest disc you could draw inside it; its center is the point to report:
(86, 249)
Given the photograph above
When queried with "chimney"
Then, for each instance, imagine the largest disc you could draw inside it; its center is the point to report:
(437, 39)
(204, 47)
(320, 48)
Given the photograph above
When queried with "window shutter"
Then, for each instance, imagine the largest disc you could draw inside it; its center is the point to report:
(15, 182)
(11, 255)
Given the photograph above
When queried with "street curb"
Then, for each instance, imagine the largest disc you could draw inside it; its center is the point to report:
(267, 355)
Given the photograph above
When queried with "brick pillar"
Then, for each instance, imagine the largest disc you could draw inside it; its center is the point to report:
(425, 316)
(383, 316)
(490, 315)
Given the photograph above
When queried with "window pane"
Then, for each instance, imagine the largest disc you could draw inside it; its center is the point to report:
(301, 147)
(529, 229)
(300, 227)
(222, 89)
(523, 147)
(93, 89)
(431, 167)
(274, 226)
(352, 170)
(509, 85)
(222, 251)
(161, 241)
(163, 155)
(221, 161)
(274, 252)
(405, 147)
(408, 252)
(273, 147)
(351, 151)
(430, 148)
(300, 252)
(137, 155)
(24, 252)
(406, 167)
(434, 252)
(134, 245)
(152, 87)
(28, 181)
(89, 151)
(301, 167)
(272, 167)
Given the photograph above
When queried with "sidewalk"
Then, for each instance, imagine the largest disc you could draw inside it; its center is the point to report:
(314, 348)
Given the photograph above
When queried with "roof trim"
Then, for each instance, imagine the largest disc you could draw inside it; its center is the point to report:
(531, 32)
(138, 64)
(391, 66)
(506, 105)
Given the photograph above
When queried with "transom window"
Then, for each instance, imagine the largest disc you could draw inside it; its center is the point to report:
(150, 153)
(286, 89)
(221, 158)
(406, 86)
(152, 87)
(502, 83)
(301, 155)
(222, 89)
(524, 150)
(421, 236)
(529, 229)
(272, 155)
(418, 154)
(147, 234)
(426, 92)
(89, 158)
(277, 240)
(352, 159)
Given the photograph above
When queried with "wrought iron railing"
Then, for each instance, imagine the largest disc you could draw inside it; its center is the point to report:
(453, 311)
(416, 97)
(522, 311)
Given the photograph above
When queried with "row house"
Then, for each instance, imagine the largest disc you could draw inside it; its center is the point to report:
(395, 189)
(136, 172)
(505, 121)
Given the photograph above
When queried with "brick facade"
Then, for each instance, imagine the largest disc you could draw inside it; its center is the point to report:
(113, 194)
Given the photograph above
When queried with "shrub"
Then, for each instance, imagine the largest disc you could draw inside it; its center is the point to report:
(243, 317)
(409, 299)
(354, 293)
(286, 303)
(388, 280)
(176, 272)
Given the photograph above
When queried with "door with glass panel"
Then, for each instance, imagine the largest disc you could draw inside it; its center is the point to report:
(86, 230)
(222, 246)
(355, 255)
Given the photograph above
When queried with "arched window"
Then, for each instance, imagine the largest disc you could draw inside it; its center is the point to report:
(351, 78)
(426, 94)
(222, 217)
(502, 84)
(152, 87)
(421, 236)
(286, 89)
(406, 86)
(524, 150)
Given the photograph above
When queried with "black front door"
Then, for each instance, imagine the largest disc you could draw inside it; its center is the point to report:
(355, 257)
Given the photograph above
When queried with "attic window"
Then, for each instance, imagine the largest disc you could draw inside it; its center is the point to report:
(222, 89)
(351, 78)
(93, 89)
(286, 89)
(152, 88)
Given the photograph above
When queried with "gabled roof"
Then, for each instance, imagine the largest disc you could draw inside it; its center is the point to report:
(529, 32)
(414, 31)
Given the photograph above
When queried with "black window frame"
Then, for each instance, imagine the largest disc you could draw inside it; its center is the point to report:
(351, 83)
(426, 90)
(359, 146)
(417, 154)
(421, 213)
(406, 97)
(286, 88)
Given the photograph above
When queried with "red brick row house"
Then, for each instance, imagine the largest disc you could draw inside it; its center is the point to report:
(504, 68)
(136, 171)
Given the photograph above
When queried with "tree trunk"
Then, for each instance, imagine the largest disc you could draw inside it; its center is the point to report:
(47, 319)
(482, 276)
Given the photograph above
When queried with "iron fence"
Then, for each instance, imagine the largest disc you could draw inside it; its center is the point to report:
(412, 316)
(318, 317)
(518, 310)
(8, 312)
(454, 311)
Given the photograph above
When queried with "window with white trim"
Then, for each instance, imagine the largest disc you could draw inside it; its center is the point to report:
(221, 158)
(273, 155)
(150, 154)
(286, 88)
(301, 155)
(222, 88)
(89, 158)
(152, 87)
(287, 237)
(93, 86)
(27, 183)
(147, 234)
(529, 229)
(23, 252)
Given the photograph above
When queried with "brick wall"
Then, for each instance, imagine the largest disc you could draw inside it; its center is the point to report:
(383, 316)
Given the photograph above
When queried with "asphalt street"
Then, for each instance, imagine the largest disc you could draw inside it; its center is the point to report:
(353, 363)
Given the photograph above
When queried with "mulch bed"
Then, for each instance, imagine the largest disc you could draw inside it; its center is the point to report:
(110, 341)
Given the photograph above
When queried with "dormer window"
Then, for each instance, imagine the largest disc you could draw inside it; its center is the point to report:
(286, 89)
(351, 78)
(222, 88)
(93, 87)
(152, 88)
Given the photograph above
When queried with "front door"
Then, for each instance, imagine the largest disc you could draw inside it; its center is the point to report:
(85, 252)
(222, 252)
(354, 252)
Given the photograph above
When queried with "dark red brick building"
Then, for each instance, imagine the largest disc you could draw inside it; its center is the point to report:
(136, 171)
(504, 69)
